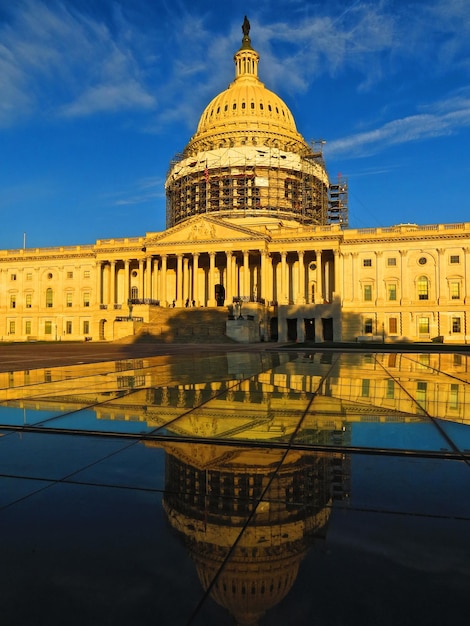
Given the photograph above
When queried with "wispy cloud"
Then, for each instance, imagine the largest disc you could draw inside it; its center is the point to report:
(143, 191)
(443, 118)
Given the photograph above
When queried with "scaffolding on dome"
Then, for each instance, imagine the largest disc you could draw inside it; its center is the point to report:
(338, 202)
(246, 181)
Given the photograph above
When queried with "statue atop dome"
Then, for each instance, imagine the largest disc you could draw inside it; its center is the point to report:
(246, 27)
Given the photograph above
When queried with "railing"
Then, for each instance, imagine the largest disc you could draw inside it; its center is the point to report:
(149, 301)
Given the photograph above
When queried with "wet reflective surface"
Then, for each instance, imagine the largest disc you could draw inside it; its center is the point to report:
(269, 487)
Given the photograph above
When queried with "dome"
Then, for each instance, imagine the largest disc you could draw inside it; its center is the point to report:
(246, 106)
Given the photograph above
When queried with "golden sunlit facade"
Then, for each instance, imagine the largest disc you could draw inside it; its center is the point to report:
(257, 248)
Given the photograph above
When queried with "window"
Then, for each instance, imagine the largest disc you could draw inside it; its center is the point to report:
(456, 325)
(454, 397)
(393, 325)
(86, 299)
(47, 376)
(27, 327)
(391, 261)
(368, 293)
(454, 258)
(49, 298)
(12, 276)
(86, 327)
(367, 262)
(422, 260)
(28, 300)
(134, 293)
(69, 298)
(12, 327)
(48, 327)
(368, 325)
(392, 291)
(12, 302)
(455, 290)
(68, 327)
(423, 325)
(86, 274)
(423, 288)
(29, 276)
(390, 392)
(69, 274)
(365, 389)
(421, 390)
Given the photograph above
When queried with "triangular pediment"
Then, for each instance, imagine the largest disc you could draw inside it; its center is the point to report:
(202, 229)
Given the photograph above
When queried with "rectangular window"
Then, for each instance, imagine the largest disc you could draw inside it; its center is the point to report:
(68, 327)
(12, 302)
(12, 276)
(27, 327)
(455, 290)
(391, 262)
(86, 327)
(48, 328)
(47, 376)
(29, 276)
(69, 299)
(367, 293)
(365, 389)
(454, 258)
(367, 262)
(86, 274)
(423, 325)
(392, 291)
(393, 325)
(368, 325)
(392, 359)
(12, 327)
(454, 397)
(86, 299)
(456, 325)
(28, 300)
(69, 274)
(421, 390)
(390, 393)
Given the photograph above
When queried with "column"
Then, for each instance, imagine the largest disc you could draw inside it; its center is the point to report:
(301, 280)
(163, 296)
(99, 283)
(210, 288)
(125, 296)
(338, 269)
(112, 283)
(148, 278)
(196, 278)
(319, 289)
(379, 290)
(179, 280)
(466, 265)
(283, 296)
(186, 293)
(228, 278)
(441, 287)
(404, 279)
(262, 289)
(246, 273)
(141, 279)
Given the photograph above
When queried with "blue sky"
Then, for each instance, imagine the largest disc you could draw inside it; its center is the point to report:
(96, 96)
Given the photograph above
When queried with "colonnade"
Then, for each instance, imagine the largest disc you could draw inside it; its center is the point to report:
(214, 278)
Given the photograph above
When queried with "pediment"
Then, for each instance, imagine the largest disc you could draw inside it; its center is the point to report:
(202, 229)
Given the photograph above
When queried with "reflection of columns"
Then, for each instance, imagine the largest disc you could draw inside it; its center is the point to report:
(284, 298)
(112, 283)
(301, 280)
(210, 290)
(228, 278)
(246, 273)
(141, 278)
(126, 281)
(179, 280)
(319, 289)
(196, 278)
(148, 278)
(163, 296)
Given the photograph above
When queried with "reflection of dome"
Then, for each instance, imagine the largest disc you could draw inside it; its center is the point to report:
(247, 158)
(247, 555)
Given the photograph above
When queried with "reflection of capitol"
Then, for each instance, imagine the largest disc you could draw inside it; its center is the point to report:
(213, 492)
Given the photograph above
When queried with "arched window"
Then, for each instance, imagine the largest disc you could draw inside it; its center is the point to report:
(423, 288)
(49, 298)
(134, 293)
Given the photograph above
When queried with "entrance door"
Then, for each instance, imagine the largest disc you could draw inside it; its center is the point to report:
(292, 329)
(309, 329)
(273, 330)
(102, 333)
(220, 294)
(327, 323)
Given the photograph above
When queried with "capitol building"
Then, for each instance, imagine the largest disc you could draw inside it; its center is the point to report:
(257, 239)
